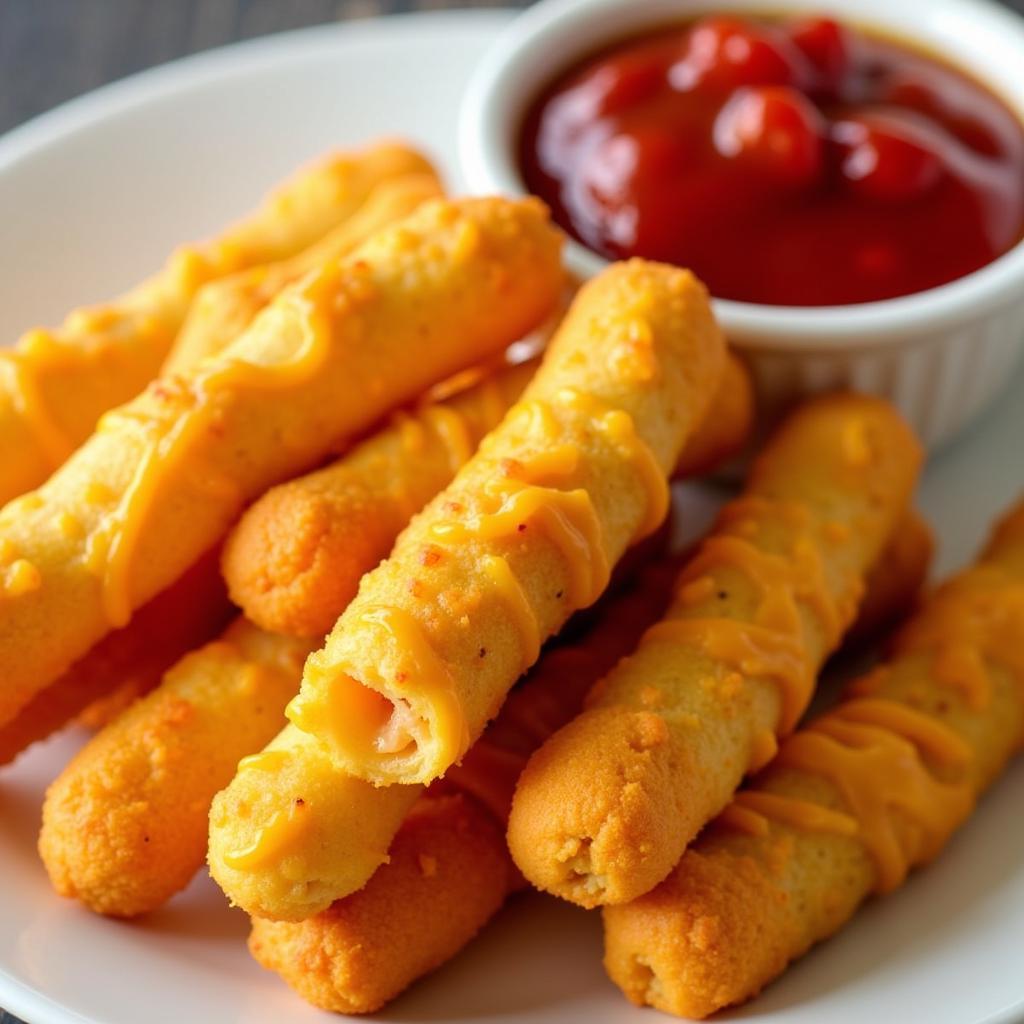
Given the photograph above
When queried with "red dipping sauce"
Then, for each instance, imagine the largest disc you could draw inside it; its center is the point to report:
(789, 163)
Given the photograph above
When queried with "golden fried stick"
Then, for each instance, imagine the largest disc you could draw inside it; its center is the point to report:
(341, 826)
(852, 802)
(165, 475)
(224, 308)
(188, 613)
(54, 385)
(124, 825)
(447, 874)
(294, 560)
(606, 807)
(448, 870)
(523, 536)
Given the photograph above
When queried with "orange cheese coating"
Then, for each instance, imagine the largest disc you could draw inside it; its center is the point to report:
(606, 807)
(165, 476)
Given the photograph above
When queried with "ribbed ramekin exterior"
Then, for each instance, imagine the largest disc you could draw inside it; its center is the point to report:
(939, 381)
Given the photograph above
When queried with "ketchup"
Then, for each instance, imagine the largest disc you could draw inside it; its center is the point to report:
(801, 163)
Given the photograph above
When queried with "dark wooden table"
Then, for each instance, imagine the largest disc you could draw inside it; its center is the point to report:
(51, 50)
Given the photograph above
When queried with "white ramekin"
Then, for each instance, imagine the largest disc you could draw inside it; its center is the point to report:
(942, 355)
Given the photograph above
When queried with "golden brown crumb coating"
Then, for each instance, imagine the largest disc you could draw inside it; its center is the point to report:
(448, 873)
(295, 558)
(124, 825)
(224, 308)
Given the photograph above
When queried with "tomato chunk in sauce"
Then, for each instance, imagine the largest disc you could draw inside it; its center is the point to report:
(799, 162)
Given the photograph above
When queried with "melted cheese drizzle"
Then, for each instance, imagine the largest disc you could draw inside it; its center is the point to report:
(618, 427)
(773, 642)
(166, 443)
(749, 649)
(423, 673)
(871, 751)
(566, 517)
(264, 761)
(501, 576)
(284, 830)
(24, 388)
(513, 501)
(972, 620)
(751, 811)
(877, 751)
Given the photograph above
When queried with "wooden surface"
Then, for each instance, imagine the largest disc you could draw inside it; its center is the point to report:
(52, 50)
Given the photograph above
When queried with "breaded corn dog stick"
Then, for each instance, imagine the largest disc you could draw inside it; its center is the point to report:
(341, 827)
(294, 560)
(606, 807)
(523, 536)
(54, 385)
(448, 873)
(851, 804)
(165, 475)
(224, 308)
(191, 611)
(124, 825)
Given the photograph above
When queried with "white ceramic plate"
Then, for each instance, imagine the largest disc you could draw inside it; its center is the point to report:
(93, 196)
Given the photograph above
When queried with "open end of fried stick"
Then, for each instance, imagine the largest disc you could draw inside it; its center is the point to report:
(378, 728)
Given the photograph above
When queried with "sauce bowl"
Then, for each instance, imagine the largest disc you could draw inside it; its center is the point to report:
(940, 355)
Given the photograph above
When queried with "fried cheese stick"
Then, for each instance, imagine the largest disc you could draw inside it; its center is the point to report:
(447, 869)
(164, 476)
(851, 803)
(188, 613)
(606, 807)
(523, 536)
(55, 385)
(295, 558)
(448, 873)
(124, 825)
(223, 309)
(287, 845)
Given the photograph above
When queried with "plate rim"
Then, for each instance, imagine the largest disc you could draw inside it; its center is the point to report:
(139, 88)
(113, 99)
